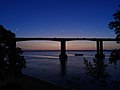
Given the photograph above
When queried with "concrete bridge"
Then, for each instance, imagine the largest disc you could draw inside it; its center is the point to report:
(63, 55)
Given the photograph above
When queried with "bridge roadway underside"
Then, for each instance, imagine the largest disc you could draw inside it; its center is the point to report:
(63, 55)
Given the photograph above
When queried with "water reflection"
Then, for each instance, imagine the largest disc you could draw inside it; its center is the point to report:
(114, 56)
(97, 69)
(63, 66)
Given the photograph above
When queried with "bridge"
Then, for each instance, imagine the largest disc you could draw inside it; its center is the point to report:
(63, 55)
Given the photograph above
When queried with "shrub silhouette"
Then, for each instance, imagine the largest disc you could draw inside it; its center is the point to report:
(11, 59)
(115, 25)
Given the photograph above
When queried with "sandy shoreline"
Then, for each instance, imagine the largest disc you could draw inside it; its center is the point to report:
(25, 82)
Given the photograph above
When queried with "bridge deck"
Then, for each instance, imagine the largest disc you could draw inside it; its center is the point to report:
(68, 39)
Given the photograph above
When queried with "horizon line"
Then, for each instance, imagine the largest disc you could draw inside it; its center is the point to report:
(60, 50)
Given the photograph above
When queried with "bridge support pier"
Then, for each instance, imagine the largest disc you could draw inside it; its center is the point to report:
(99, 45)
(63, 55)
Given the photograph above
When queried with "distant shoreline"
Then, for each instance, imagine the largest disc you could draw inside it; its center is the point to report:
(59, 50)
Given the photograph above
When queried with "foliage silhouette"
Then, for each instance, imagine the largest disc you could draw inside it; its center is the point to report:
(97, 69)
(114, 57)
(11, 59)
(115, 25)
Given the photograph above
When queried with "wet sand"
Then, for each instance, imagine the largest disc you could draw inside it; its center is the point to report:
(24, 82)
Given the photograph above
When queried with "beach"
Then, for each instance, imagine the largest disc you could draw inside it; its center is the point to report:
(25, 82)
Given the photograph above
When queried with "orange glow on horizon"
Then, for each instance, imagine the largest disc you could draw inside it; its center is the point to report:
(42, 45)
(70, 45)
(81, 45)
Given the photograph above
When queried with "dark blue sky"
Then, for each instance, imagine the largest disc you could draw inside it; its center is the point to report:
(58, 18)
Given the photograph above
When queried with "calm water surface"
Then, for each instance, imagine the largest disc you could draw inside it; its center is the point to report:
(79, 72)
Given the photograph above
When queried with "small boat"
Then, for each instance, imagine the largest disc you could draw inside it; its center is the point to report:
(78, 54)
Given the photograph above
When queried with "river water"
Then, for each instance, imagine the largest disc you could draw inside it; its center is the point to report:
(78, 72)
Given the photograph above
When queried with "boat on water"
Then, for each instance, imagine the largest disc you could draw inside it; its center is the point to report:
(77, 54)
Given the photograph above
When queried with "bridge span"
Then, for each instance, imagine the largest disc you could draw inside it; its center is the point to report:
(63, 55)
(67, 39)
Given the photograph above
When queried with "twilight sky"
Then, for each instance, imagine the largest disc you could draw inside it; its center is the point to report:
(58, 18)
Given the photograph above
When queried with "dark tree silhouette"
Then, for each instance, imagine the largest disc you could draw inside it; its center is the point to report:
(115, 25)
(11, 59)
(97, 69)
